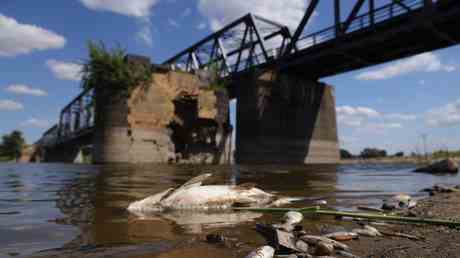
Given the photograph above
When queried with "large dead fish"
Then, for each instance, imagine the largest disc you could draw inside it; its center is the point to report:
(193, 195)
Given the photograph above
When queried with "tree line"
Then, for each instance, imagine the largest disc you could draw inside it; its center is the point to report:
(11, 145)
(368, 153)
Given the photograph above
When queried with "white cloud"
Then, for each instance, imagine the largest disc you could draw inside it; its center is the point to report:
(173, 23)
(187, 12)
(17, 38)
(221, 12)
(21, 89)
(357, 111)
(65, 70)
(427, 62)
(134, 8)
(145, 34)
(34, 122)
(445, 116)
(202, 26)
(403, 117)
(9, 105)
(382, 126)
(140, 9)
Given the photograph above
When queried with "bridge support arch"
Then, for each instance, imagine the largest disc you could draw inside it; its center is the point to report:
(285, 118)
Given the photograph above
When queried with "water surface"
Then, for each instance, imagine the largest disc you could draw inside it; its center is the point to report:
(51, 206)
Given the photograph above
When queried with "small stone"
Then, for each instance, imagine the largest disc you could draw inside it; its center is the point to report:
(443, 166)
(302, 246)
(324, 248)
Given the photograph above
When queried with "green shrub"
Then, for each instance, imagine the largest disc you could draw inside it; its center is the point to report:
(108, 69)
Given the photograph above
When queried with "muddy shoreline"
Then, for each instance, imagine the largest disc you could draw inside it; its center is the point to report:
(434, 241)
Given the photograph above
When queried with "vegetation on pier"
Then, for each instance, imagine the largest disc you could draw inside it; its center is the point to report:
(108, 69)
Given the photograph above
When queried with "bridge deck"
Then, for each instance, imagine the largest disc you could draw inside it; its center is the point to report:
(406, 35)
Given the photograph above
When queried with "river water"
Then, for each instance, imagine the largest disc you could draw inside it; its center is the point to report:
(72, 207)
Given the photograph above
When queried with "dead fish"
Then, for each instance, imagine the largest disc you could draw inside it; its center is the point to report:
(402, 200)
(342, 236)
(314, 240)
(262, 252)
(194, 196)
(292, 217)
(368, 231)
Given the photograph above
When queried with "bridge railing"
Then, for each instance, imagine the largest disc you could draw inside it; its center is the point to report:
(78, 116)
(366, 20)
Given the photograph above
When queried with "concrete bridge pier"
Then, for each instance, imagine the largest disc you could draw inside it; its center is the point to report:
(285, 118)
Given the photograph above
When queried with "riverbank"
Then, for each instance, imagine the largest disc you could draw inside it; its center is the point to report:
(434, 241)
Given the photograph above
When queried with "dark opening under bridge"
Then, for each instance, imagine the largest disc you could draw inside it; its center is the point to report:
(369, 34)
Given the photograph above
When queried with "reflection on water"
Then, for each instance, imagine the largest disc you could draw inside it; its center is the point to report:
(69, 206)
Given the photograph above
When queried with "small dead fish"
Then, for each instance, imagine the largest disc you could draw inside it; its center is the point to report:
(402, 200)
(368, 231)
(342, 236)
(314, 240)
(262, 252)
(321, 202)
(292, 217)
(412, 204)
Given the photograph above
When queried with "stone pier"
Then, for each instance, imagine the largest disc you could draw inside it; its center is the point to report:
(175, 119)
(285, 119)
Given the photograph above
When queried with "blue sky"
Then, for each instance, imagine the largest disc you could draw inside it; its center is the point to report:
(41, 43)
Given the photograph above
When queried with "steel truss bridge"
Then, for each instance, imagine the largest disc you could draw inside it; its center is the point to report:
(369, 34)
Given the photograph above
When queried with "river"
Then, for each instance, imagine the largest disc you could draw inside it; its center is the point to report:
(72, 207)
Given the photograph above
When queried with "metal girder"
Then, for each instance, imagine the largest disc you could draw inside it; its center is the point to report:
(239, 45)
(352, 16)
(308, 14)
(400, 3)
(77, 116)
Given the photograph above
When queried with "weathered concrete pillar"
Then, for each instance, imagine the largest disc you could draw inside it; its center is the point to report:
(285, 119)
(175, 119)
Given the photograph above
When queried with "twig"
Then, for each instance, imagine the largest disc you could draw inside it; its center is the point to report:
(317, 210)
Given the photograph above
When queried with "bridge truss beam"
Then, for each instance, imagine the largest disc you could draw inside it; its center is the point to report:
(78, 116)
(238, 46)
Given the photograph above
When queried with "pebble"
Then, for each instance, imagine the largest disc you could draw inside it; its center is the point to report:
(302, 246)
(324, 248)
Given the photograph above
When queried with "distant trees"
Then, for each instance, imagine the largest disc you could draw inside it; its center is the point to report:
(371, 153)
(399, 154)
(12, 145)
(344, 154)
